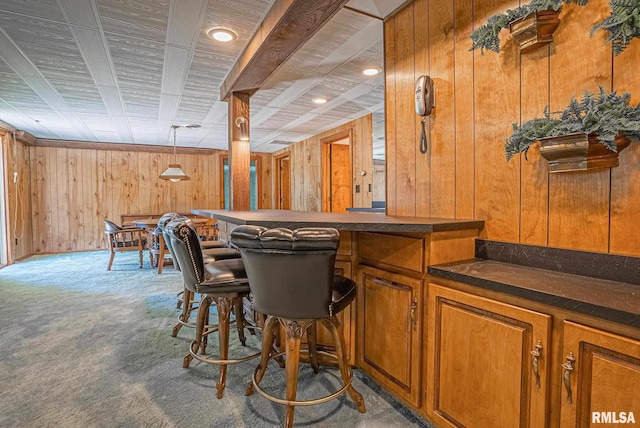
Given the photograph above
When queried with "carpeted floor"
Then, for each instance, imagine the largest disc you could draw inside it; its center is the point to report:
(83, 347)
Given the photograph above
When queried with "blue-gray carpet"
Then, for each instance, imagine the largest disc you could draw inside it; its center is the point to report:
(83, 347)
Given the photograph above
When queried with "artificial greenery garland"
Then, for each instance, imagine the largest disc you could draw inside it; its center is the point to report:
(605, 114)
(623, 24)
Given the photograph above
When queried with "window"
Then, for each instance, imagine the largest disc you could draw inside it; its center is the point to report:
(253, 182)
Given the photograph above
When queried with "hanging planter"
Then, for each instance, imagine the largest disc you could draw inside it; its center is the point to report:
(580, 152)
(535, 29)
(587, 134)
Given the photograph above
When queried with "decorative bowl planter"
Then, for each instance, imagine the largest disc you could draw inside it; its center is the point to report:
(535, 29)
(580, 152)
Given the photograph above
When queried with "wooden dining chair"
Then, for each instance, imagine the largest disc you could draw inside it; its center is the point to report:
(123, 239)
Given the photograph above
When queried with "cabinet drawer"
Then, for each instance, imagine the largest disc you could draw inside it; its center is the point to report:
(400, 251)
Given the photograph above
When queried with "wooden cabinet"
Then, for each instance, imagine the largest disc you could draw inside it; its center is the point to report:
(390, 330)
(600, 373)
(481, 368)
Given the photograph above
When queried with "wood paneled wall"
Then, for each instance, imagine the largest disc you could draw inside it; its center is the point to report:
(17, 197)
(73, 190)
(306, 166)
(465, 174)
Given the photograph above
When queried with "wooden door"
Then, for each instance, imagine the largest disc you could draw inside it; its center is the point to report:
(283, 182)
(603, 375)
(336, 173)
(390, 331)
(479, 366)
(340, 175)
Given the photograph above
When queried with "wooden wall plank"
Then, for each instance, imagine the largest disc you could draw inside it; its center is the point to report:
(534, 210)
(91, 226)
(625, 180)
(76, 207)
(579, 201)
(390, 115)
(423, 161)
(405, 108)
(463, 113)
(52, 164)
(100, 197)
(496, 104)
(145, 179)
(442, 120)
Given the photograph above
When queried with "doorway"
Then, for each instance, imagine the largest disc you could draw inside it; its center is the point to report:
(283, 182)
(337, 180)
(254, 174)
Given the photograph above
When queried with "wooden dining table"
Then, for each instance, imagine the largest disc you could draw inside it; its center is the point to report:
(155, 240)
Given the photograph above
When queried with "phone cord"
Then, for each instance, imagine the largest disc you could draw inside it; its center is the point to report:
(423, 138)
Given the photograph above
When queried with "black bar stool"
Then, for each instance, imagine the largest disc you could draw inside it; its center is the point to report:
(224, 282)
(209, 255)
(292, 280)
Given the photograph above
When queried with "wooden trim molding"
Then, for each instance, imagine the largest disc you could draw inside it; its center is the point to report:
(41, 142)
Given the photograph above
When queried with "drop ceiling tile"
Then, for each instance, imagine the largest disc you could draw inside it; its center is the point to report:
(135, 18)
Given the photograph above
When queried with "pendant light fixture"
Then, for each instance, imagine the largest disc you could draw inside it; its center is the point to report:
(175, 172)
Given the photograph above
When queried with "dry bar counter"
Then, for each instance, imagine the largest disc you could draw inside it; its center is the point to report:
(387, 257)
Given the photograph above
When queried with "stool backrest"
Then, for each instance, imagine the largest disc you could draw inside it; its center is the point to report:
(290, 272)
(186, 248)
(162, 224)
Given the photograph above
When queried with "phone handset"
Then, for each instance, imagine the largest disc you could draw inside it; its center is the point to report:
(424, 98)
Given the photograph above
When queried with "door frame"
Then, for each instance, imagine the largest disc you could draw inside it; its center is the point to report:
(278, 190)
(326, 165)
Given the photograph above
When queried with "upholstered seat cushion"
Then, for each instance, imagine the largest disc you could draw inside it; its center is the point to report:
(213, 244)
(221, 253)
(224, 276)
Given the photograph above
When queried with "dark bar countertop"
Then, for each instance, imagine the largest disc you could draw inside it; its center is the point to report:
(361, 222)
(555, 277)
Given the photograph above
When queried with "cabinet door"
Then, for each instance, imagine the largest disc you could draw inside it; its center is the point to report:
(600, 379)
(389, 331)
(480, 369)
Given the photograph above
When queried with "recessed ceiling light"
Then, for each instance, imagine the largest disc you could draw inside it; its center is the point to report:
(222, 34)
(371, 71)
(319, 100)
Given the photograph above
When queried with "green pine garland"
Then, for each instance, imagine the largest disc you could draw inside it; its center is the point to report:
(605, 114)
(623, 24)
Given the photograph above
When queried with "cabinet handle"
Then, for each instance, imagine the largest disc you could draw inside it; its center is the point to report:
(534, 362)
(566, 376)
(412, 313)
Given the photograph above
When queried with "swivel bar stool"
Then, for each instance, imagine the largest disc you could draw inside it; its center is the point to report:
(291, 274)
(209, 255)
(222, 281)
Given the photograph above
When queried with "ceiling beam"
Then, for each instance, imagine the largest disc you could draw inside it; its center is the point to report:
(287, 26)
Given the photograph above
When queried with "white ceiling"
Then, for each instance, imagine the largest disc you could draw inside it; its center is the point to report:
(124, 71)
